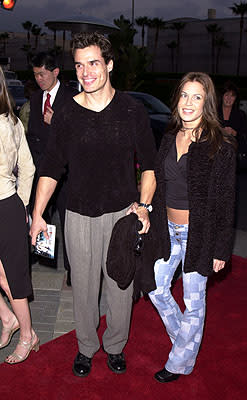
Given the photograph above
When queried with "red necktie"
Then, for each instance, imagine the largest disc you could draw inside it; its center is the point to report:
(47, 102)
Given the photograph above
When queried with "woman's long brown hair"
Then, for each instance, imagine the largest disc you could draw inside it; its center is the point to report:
(5, 102)
(209, 124)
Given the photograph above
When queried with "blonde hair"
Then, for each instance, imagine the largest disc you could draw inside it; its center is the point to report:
(5, 99)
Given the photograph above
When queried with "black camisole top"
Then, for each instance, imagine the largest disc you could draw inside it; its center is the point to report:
(176, 180)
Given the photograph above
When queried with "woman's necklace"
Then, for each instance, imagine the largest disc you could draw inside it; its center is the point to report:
(184, 130)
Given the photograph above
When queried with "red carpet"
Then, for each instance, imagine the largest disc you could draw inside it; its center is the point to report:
(220, 372)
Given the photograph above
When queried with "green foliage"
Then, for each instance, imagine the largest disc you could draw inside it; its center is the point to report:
(130, 64)
(177, 26)
(130, 61)
(239, 9)
(126, 33)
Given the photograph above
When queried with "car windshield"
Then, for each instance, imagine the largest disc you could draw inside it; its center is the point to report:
(152, 104)
(17, 91)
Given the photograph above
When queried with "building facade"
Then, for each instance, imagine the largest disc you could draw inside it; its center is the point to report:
(195, 50)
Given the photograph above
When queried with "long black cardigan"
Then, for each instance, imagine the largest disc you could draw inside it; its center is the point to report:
(211, 194)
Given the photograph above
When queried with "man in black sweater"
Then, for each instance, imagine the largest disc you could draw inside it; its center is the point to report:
(96, 135)
(43, 104)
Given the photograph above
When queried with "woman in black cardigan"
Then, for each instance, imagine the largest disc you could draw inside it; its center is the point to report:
(231, 117)
(195, 193)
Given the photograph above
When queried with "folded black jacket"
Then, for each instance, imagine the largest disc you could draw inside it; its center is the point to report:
(123, 265)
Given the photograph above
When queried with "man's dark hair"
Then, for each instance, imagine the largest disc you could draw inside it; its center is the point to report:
(45, 59)
(84, 39)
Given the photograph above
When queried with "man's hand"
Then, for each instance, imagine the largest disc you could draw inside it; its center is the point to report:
(142, 214)
(218, 265)
(45, 189)
(38, 225)
(48, 115)
(133, 208)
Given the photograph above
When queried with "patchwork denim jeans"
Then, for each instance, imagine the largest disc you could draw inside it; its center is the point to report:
(184, 329)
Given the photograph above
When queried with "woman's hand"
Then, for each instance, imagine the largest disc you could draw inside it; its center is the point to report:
(218, 265)
(230, 131)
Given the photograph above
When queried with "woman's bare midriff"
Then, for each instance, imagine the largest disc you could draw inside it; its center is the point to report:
(179, 217)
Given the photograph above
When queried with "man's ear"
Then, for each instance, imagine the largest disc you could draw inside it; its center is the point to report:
(56, 71)
(110, 66)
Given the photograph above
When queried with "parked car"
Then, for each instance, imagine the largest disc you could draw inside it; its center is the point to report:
(158, 112)
(11, 78)
(75, 85)
(243, 106)
(17, 93)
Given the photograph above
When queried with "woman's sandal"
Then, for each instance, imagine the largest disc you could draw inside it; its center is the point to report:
(29, 346)
(10, 331)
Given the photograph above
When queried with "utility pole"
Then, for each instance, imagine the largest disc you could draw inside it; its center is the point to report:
(133, 13)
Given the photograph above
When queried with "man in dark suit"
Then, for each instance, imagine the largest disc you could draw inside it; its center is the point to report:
(43, 104)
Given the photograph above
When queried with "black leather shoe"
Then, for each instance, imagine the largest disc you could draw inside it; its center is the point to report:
(166, 376)
(82, 365)
(116, 363)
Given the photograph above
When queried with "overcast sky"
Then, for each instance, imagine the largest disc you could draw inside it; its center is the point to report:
(39, 11)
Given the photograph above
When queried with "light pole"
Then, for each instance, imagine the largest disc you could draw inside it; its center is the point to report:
(133, 13)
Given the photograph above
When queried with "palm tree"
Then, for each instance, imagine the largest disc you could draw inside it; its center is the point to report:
(178, 26)
(126, 33)
(131, 61)
(220, 43)
(239, 9)
(36, 31)
(172, 46)
(27, 48)
(142, 21)
(27, 26)
(213, 29)
(4, 38)
(158, 24)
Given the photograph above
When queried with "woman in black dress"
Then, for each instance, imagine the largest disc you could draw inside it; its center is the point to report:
(14, 196)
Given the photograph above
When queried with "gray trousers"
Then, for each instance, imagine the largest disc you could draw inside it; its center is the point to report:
(87, 240)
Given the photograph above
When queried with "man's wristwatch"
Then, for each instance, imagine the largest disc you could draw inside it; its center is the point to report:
(149, 207)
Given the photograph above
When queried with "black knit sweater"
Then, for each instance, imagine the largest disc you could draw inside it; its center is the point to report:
(98, 148)
(211, 193)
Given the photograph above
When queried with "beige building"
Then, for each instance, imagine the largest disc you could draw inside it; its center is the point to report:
(195, 50)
